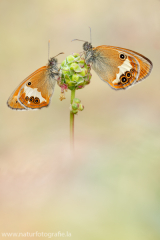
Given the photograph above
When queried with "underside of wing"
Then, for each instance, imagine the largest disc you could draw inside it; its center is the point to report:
(145, 64)
(37, 90)
(13, 101)
(119, 73)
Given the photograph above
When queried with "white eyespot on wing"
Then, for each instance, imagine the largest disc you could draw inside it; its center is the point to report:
(33, 92)
(126, 66)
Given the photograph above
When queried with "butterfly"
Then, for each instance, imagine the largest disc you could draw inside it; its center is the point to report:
(119, 67)
(36, 90)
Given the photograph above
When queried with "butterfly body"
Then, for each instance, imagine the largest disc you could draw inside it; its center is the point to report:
(119, 67)
(36, 90)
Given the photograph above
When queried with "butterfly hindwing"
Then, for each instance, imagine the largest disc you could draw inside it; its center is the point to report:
(37, 90)
(34, 92)
(119, 69)
(145, 64)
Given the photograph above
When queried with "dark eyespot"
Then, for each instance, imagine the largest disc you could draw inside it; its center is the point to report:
(123, 79)
(16, 101)
(128, 75)
(132, 70)
(27, 98)
(122, 56)
(29, 83)
(36, 100)
(31, 99)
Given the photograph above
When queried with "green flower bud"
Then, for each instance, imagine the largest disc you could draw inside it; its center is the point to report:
(83, 72)
(70, 84)
(63, 63)
(70, 59)
(75, 67)
(76, 55)
(76, 100)
(75, 111)
(80, 82)
(75, 78)
(81, 107)
(65, 71)
(75, 106)
(82, 60)
(90, 75)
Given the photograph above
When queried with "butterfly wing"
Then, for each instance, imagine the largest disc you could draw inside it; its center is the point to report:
(13, 99)
(118, 72)
(34, 92)
(145, 64)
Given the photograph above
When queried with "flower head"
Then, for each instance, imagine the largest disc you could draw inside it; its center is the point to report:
(75, 73)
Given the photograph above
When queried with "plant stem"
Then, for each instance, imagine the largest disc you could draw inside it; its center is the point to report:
(72, 121)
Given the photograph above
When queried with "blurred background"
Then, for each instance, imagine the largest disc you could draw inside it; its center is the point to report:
(110, 188)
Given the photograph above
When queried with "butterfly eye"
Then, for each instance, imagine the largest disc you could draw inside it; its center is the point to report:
(29, 83)
(31, 99)
(36, 100)
(128, 75)
(124, 79)
(122, 56)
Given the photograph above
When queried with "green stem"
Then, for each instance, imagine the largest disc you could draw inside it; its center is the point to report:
(72, 121)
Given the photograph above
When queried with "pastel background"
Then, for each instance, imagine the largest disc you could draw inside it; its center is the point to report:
(110, 189)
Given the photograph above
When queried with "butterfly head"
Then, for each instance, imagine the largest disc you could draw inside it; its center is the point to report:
(53, 68)
(88, 52)
(87, 46)
(52, 62)
(53, 65)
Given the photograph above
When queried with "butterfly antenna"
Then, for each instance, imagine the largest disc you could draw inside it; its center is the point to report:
(90, 35)
(59, 54)
(48, 48)
(77, 40)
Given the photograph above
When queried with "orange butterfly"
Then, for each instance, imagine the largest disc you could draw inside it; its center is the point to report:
(119, 67)
(36, 90)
